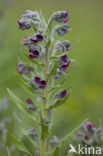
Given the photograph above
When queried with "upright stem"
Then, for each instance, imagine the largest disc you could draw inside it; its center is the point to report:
(45, 100)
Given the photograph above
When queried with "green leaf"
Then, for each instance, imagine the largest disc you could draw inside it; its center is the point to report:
(63, 140)
(43, 20)
(57, 151)
(58, 103)
(49, 26)
(53, 70)
(19, 144)
(44, 129)
(8, 152)
(26, 86)
(20, 105)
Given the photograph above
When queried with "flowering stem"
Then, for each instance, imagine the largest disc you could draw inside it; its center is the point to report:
(45, 100)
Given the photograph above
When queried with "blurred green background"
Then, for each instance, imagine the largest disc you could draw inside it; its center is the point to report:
(86, 20)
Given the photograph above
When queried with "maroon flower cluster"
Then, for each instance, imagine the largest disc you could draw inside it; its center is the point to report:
(89, 133)
(63, 64)
(32, 44)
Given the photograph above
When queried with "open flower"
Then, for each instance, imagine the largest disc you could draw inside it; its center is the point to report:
(61, 16)
(42, 84)
(37, 38)
(34, 53)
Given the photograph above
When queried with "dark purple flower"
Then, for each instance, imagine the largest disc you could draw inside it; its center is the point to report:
(34, 39)
(64, 67)
(29, 101)
(62, 29)
(63, 94)
(39, 37)
(42, 84)
(37, 80)
(89, 126)
(61, 16)
(34, 53)
(64, 58)
(86, 137)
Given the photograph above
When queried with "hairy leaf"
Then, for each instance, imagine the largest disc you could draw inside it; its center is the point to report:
(19, 144)
(53, 70)
(20, 104)
(58, 103)
(8, 152)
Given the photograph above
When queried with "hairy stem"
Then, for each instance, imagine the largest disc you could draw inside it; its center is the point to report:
(45, 100)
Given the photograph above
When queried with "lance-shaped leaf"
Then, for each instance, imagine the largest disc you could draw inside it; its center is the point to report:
(20, 105)
(57, 151)
(53, 70)
(58, 103)
(27, 87)
(8, 152)
(63, 140)
(44, 129)
(19, 144)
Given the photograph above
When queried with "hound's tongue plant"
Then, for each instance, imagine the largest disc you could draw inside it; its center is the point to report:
(44, 74)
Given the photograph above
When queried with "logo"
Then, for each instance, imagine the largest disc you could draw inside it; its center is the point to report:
(85, 150)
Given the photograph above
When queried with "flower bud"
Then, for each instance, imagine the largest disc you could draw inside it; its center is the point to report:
(79, 133)
(46, 121)
(37, 80)
(62, 29)
(64, 58)
(37, 154)
(63, 46)
(61, 16)
(31, 105)
(86, 137)
(89, 126)
(22, 69)
(65, 66)
(61, 94)
(31, 14)
(26, 40)
(54, 140)
(24, 24)
(32, 133)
